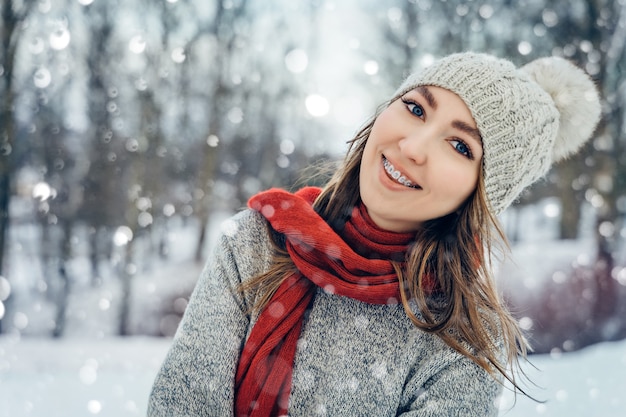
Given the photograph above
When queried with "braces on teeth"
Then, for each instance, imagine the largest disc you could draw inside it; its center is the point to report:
(396, 175)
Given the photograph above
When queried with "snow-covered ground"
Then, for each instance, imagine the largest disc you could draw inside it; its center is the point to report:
(586, 383)
(112, 377)
(77, 377)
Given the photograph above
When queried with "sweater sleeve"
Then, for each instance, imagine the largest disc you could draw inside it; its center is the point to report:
(460, 389)
(197, 376)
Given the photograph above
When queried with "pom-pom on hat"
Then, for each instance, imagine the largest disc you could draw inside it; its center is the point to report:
(528, 117)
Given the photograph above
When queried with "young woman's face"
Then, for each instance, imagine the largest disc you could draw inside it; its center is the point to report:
(421, 160)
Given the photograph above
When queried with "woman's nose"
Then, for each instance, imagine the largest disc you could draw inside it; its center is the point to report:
(416, 147)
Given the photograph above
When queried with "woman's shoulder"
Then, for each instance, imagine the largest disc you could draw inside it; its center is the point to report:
(247, 235)
(246, 221)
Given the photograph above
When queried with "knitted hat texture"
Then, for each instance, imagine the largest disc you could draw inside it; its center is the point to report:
(528, 117)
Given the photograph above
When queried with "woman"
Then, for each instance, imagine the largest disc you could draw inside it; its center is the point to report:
(373, 296)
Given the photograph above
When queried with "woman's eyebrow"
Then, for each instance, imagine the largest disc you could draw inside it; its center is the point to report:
(428, 96)
(458, 124)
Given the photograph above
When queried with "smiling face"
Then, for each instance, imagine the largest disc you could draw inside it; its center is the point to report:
(421, 160)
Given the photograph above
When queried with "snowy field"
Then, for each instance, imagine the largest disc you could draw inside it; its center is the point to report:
(112, 377)
(74, 377)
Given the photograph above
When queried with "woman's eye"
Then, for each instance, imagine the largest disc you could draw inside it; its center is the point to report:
(414, 108)
(462, 148)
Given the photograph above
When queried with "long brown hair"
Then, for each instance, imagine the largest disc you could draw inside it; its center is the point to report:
(456, 250)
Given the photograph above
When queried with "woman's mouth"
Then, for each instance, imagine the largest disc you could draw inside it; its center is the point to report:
(398, 176)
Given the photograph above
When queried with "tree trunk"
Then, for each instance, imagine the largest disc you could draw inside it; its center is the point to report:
(201, 237)
(62, 299)
(605, 304)
(126, 275)
(9, 26)
(63, 294)
(570, 215)
(569, 197)
(5, 196)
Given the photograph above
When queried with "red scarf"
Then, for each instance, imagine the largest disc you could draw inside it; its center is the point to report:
(323, 259)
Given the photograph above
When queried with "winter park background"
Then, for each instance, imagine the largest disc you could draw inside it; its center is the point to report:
(129, 130)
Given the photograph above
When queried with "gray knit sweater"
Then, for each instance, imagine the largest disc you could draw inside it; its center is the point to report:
(353, 358)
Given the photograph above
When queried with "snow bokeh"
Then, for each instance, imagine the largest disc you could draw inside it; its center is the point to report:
(342, 67)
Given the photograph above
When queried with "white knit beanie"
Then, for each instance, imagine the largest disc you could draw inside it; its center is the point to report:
(528, 117)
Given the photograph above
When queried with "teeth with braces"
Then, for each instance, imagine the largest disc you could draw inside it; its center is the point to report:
(397, 175)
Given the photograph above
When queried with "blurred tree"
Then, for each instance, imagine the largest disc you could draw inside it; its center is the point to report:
(225, 31)
(56, 213)
(13, 14)
(145, 171)
(268, 146)
(104, 195)
(600, 44)
(144, 175)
